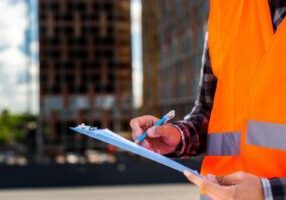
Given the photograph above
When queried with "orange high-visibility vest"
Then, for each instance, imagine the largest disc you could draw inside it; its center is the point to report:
(247, 129)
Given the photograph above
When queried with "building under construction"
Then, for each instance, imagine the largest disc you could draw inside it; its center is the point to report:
(85, 69)
(173, 38)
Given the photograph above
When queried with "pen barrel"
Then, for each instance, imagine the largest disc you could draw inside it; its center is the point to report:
(160, 121)
(157, 123)
(141, 137)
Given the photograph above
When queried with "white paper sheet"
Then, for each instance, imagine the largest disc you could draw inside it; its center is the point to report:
(107, 136)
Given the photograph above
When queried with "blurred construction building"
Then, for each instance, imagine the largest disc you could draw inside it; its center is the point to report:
(85, 69)
(173, 39)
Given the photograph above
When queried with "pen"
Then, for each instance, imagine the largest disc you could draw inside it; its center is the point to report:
(160, 122)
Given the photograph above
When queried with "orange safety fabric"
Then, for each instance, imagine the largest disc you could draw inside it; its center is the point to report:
(248, 59)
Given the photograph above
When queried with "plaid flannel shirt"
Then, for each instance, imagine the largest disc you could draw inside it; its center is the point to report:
(194, 126)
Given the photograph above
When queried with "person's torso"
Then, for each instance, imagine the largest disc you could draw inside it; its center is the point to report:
(247, 128)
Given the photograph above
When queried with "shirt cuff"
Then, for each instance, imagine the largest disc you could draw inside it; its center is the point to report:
(266, 189)
(278, 187)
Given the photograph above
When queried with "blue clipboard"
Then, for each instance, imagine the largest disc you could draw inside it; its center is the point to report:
(107, 136)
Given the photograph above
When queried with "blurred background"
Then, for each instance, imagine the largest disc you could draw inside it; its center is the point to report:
(98, 62)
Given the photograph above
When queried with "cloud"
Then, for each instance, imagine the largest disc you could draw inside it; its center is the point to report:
(12, 22)
(34, 48)
(14, 62)
(12, 88)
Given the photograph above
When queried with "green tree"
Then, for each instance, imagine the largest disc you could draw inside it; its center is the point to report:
(13, 127)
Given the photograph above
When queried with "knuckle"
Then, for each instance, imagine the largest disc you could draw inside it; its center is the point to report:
(131, 122)
(134, 121)
(220, 179)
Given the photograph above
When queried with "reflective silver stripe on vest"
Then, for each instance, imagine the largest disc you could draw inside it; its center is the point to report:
(266, 135)
(223, 144)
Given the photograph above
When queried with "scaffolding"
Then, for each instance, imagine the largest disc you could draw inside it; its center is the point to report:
(173, 38)
(85, 69)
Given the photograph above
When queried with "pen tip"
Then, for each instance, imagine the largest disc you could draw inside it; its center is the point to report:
(171, 114)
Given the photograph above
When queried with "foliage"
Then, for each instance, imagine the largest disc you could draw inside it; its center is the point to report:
(13, 127)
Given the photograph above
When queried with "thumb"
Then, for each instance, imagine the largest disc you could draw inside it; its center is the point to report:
(206, 186)
(158, 131)
(153, 132)
(231, 179)
(136, 132)
(194, 178)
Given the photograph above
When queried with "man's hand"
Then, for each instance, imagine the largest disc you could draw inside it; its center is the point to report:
(236, 186)
(161, 139)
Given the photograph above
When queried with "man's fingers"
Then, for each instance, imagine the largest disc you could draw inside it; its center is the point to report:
(140, 123)
(203, 183)
(230, 179)
(147, 145)
(165, 130)
(212, 178)
(136, 130)
(154, 132)
(210, 188)
(193, 178)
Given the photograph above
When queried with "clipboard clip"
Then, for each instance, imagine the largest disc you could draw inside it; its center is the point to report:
(85, 127)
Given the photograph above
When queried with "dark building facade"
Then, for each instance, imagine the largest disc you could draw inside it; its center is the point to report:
(173, 39)
(85, 69)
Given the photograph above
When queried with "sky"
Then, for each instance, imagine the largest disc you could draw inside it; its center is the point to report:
(14, 58)
(19, 67)
(136, 31)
